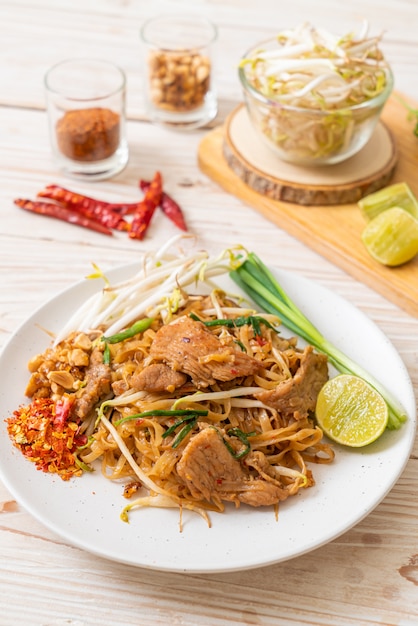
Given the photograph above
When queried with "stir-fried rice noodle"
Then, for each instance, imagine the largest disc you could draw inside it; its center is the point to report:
(192, 429)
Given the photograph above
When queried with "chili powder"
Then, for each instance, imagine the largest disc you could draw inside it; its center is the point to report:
(88, 134)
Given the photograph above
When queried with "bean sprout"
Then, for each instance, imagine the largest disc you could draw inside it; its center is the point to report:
(149, 290)
(310, 75)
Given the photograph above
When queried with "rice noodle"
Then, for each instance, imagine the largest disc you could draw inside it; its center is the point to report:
(132, 429)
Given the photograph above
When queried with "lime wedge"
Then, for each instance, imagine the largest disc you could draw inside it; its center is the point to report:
(392, 237)
(350, 411)
(398, 194)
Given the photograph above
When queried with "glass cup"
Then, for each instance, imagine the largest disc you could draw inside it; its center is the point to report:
(86, 114)
(178, 71)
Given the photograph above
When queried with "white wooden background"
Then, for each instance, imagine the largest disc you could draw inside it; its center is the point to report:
(369, 575)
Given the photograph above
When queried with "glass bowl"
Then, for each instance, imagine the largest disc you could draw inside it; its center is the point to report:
(310, 136)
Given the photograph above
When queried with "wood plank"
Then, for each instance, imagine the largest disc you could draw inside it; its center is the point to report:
(333, 231)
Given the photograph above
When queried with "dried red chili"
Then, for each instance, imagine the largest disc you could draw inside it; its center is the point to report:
(100, 210)
(169, 206)
(146, 208)
(69, 198)
(88, 134)
(103, 216)
(62, 213)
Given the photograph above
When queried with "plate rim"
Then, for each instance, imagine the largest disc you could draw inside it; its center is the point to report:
(124, 269)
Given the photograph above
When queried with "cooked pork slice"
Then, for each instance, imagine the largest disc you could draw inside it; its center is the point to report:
(158, 377)
(259, 492)
(206, 462)
(297, 396)
(188, 346)
(211, 473)
(97, 387)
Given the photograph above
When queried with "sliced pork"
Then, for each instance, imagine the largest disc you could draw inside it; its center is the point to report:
(97, 387)
(188, 346)
(296, 397)
(157, 377)
(211, 473)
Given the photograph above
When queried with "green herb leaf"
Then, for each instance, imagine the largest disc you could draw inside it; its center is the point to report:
(188, 413)
(241, 345)
(243, 437)
(139, 327)
(412, 113)
(251, 320)
(184, 431)
(106, 355)
(189, 422)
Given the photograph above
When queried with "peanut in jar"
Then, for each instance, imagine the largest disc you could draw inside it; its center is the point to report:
(179, 68)
(179, 81)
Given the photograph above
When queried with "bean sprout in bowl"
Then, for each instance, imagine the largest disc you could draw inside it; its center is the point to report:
(315, 98)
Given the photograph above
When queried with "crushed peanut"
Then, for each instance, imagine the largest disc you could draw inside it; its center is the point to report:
(62, 378)
(179, 81)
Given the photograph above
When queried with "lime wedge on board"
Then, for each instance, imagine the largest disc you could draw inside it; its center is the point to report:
(398, 194)
(392, 237)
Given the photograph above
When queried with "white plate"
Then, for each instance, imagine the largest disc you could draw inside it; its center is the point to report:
(85, 511)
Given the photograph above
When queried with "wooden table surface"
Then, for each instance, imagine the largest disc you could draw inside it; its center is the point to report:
(369, 575)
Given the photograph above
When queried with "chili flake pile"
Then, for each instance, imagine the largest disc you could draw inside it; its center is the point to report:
(42, 432)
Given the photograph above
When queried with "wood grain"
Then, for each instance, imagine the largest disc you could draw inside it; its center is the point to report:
(333, 231)
(258, 167)
(366, 577)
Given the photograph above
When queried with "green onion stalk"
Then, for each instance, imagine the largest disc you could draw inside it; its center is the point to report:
(139, 327)
(256, 280)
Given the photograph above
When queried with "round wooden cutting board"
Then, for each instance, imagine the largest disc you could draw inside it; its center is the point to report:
(262, 170)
